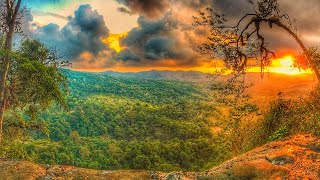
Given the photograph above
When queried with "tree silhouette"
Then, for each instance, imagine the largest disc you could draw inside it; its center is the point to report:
(243, 41)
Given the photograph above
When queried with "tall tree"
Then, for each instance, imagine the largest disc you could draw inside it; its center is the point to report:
(238, 43)
(9, 21)
(29, 77)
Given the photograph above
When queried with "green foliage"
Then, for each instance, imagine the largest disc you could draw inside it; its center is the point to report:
(37, 79)
(280, 133)
(127, 123)
(34, 83)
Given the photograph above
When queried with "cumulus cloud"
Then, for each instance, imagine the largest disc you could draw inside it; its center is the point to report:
(147, 28)
(83, 33)
(155, 41)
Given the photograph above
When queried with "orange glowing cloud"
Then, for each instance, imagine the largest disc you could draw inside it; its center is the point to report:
(113, 41)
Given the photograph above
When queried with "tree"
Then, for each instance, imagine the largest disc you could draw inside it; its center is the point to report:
(239, 43)
(9, 20)
(11, 66)
(34, 82)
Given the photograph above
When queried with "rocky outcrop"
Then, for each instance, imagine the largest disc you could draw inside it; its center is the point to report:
(296, 157)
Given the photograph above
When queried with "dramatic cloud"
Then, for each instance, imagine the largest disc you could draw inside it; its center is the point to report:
(128, 55)
(149, 8)
(147, 29)
(154, 41)
(160, 48)
(83, 33)
(164, 35)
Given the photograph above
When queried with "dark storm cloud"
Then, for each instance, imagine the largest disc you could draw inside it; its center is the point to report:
(232, 8)
(169, 37)
(127, 55)
(146, 29)
(161, 48)
(83, 33)
(149, 8)
(155, 40)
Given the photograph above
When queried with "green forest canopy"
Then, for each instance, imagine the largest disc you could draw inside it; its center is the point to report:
(126, 123)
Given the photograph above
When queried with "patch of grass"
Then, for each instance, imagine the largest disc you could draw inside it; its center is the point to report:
(279, 134)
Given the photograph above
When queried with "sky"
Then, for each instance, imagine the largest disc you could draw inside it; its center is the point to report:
(138, 35)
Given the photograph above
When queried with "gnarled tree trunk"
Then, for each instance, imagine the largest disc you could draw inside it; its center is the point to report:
(11, 12)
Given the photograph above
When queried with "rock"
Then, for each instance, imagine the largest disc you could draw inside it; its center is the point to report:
(282, 160)
(173, 176)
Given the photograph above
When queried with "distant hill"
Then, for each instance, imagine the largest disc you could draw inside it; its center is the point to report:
(265, 88)
(152, 86)
(169, 75)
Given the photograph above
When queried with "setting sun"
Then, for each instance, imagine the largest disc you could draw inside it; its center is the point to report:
(286, 61)
(285, 65)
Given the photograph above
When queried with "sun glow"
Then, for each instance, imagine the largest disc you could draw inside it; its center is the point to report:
(113, 41)
(285, 65)
(287, 61)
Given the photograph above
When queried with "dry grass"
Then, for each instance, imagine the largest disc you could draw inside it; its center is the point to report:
(14, 169)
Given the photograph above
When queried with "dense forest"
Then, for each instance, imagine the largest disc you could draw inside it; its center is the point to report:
(125, 123)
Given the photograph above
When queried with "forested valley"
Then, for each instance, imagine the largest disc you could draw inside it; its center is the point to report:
(124, 123)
